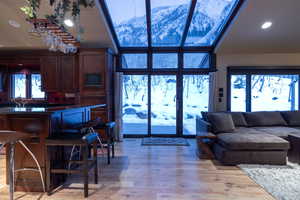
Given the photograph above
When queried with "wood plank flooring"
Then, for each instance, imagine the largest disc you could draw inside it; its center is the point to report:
(155, 173)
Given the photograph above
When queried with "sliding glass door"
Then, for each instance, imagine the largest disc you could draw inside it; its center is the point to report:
(135, 104)
(163, 105)
(195, 100)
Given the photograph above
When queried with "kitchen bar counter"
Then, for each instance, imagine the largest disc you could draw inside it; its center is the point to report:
(44, 110)
(41, 122)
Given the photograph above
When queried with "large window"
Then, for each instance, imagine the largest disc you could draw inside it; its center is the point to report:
(274, 92)
(167, 23)
(27, 86)
(269, 90)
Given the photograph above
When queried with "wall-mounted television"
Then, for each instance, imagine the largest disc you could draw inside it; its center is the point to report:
(93, 80)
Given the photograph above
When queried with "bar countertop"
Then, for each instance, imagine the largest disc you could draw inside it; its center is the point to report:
(44, 110)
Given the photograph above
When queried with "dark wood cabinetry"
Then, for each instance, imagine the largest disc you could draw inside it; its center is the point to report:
(50, 73)
(98, 63)
(59, 73)
(68, 66)
(88, 75)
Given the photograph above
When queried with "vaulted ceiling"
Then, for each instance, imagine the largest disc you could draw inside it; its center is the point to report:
(95, 35)
(246, 36)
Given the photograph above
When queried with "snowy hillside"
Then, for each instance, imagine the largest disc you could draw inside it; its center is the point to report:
(168, 23)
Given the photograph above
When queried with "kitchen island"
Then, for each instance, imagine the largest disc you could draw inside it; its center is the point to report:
(41, 122)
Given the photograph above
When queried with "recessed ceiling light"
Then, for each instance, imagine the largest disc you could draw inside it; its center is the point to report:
(69, 22)
(266, 25)
(14, 24)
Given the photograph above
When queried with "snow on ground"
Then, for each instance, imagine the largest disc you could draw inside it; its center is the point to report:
(268, 93)
(163, 91)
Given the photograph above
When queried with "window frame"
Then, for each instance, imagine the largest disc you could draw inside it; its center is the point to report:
(28, 86)
(223, 27)
(263, 70)
(180, 59)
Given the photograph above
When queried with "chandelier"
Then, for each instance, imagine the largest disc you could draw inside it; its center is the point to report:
(51, 28)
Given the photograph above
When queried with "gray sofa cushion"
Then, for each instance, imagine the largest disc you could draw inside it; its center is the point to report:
(238, 119)
(291, 117)
(243, 130)
(279, 131)
(264, 119)
(221, 122)
(235, 141)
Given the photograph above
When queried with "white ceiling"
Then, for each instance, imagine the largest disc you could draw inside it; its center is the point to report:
(246, 36)
(95, 32)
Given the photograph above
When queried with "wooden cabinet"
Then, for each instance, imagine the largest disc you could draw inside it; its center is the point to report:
(100, 64)
(50, 73)
(68, 74)
(59, 73)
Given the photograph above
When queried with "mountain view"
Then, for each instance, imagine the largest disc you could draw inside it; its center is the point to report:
(168, 23)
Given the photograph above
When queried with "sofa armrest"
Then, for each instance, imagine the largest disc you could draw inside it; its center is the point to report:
(208, 135)
(203, 128)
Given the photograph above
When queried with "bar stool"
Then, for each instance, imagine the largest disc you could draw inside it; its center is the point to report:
(11, 138)
(71, 139)
(108, 127)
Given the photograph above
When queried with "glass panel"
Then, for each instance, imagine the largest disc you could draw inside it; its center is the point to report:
(134, 61)
(195, 100)
(36, 86)
(163, 104)
(238, 93)
(168, 21)
(208, 20)
(196, 60)
(135, 104)
(165, 60)
(274, 92)
(19, 84)
(129, 20)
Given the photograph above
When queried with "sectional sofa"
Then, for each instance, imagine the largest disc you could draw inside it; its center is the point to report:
(248, 137)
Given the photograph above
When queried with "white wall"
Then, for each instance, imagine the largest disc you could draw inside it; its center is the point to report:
(225, 60)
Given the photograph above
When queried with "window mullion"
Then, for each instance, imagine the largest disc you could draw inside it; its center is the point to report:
(248, 92)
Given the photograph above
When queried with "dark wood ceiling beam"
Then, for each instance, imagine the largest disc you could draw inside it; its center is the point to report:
(188, 22)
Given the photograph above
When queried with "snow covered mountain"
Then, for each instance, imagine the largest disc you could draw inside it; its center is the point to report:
(168, 23)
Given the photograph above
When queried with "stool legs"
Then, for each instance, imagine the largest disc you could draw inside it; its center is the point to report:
(11, 170)
(85, 171)
(48, 173)
(36, 162)
(113, 148)
(95, 157)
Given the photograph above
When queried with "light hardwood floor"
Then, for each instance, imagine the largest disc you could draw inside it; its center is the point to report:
(156, 173)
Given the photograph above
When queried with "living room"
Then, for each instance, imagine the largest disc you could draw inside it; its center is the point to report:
(166, 99)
